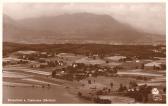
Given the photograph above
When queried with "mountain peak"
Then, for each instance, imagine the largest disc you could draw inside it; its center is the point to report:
(75, 26)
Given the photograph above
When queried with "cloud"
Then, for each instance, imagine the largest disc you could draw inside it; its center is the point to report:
(149, 17)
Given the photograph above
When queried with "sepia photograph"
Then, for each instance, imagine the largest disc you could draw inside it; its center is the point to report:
(84, 53)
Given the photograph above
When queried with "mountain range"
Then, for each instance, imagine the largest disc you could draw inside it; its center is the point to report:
(74, 28)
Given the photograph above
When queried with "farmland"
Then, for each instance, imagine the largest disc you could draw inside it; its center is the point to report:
(82, 73)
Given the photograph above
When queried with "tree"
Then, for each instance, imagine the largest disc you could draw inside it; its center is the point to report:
(163, 66)
(121, 88)
(53, 74)
(107, 61)
(111, 84)
(142, 66)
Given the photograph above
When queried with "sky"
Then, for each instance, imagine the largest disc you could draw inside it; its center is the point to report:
(148, 17)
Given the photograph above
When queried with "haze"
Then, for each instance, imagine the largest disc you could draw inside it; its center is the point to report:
(148, 17)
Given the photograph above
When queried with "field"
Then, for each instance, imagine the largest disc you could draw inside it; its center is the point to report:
(30, 67)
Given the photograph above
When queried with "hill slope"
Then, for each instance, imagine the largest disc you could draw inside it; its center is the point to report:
(80, 27)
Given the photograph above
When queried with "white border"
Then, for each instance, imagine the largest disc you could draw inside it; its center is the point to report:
(56, 1)
(77, 1)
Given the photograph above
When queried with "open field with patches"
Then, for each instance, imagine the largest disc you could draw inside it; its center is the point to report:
(61, 76)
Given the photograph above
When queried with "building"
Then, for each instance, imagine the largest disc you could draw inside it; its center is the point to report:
(154, 66)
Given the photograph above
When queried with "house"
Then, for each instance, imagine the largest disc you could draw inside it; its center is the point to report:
(153, 66)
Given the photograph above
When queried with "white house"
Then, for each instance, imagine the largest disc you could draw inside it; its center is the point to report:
(152, 66)
(156, 65)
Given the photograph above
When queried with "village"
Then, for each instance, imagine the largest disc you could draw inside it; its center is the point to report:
(95, 78)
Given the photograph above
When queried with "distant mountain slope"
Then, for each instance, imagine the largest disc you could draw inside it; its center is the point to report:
(72, 27)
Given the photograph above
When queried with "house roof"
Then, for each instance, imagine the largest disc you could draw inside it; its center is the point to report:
(153, 64)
